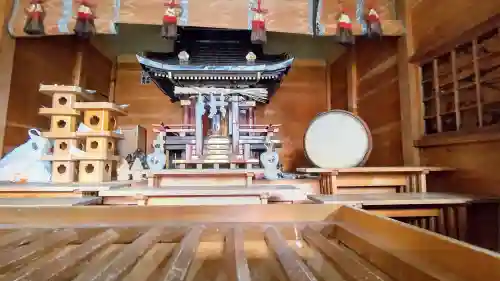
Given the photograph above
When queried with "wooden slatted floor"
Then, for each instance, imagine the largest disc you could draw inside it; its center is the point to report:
(118, 253)
(229, 243)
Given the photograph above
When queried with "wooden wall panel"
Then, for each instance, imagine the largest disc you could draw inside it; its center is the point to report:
(7, 49)
(61, 17)
(328, 12)
(142, 12)
(47, 60)
(232, 14)
(148, 105)
(293, 16)
(477, 162)
(378, 99)
(301, 96)
(96, 70)
(43, 60)
(435, 23)
(338, 88)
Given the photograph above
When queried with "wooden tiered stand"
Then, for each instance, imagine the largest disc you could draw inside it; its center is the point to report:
(63, 125)
(100, 143)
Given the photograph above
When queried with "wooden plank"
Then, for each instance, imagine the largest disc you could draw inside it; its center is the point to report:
(60, 18)
(136, 214)
(395, 199)
(58, 265)
(19, 237)
(182, 257)
(477, 83)
(147, 266)
(329, 10)
(437, 94)
(410, 94)
(406, 213)
(7, 49)
(352, 267)
(234, 251)
(398, 264)
(328, 79)
(42, 245)
(125, 259)
(449, 28)
(400, 169)
(116, 109)
(456, 96)
(468, 262)
(49, 202)
(293, 266)
(352, 83)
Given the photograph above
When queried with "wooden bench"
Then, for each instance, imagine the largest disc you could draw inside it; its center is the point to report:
(200, 177)
(443, 213)
(384, 179)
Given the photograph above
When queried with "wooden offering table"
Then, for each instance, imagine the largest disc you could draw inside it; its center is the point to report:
(438, 212)
(185, 196)
(51, 190)
(201, 177)
(203, 195)
(374, 179)
(254, 242)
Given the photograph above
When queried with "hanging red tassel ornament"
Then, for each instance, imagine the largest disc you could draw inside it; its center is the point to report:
(169, 27)
(85, 27)
(259, 24)
(344, 29)
(374, 27)
(34, 21)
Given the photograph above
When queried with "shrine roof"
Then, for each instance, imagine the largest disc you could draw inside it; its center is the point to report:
(170, 62)
(215, 58)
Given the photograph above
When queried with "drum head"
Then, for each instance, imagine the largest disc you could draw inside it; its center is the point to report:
(337, 139)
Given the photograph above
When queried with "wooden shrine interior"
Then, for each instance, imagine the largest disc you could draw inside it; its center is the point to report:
(455, 43)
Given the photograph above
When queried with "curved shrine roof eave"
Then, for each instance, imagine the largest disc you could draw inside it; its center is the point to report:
(258, 67)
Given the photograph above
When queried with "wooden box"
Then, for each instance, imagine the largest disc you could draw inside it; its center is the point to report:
(134, 137)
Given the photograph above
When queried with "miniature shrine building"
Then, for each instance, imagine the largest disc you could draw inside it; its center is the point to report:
(218, 83)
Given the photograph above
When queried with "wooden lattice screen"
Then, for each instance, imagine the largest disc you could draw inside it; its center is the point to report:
(461, 89)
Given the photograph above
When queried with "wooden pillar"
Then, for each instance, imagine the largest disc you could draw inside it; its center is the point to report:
(77, 68)
(328, 77)
(112, 82)
(7, 48)
(352, 82)
(409, 89)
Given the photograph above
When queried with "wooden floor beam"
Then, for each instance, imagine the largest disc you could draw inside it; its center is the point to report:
(294, 267)
(234, 251)
(183, 256)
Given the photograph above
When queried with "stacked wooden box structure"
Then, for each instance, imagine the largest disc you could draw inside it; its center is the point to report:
(100, 143)
(63, 125)
(97, 142)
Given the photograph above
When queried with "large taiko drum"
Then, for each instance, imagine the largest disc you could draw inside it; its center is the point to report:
(337, 139)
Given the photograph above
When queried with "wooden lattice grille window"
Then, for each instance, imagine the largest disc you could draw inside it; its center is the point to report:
(461, 89)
